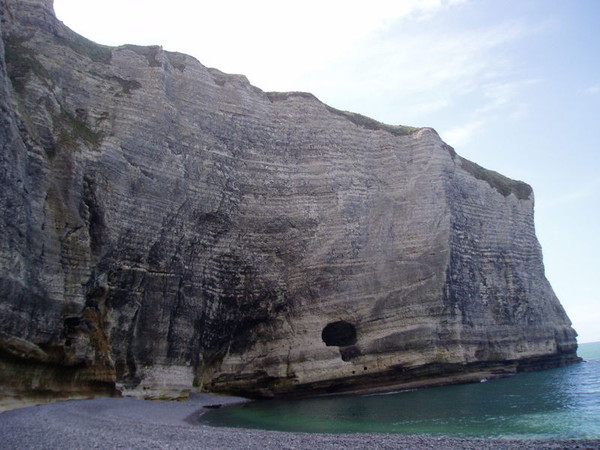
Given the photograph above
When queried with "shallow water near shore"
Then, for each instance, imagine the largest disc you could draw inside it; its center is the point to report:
(562, 403)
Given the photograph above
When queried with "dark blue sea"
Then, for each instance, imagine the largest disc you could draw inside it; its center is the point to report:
(562, 403)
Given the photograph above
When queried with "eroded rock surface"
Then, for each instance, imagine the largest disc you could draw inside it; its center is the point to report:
(168, 225)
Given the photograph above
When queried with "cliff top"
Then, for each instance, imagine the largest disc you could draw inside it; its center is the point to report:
(46, 19)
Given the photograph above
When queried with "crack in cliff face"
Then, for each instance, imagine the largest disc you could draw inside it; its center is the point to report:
(173, 226)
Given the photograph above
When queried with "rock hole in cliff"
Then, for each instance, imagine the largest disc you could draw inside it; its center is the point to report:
(72, 324)
(340, 334)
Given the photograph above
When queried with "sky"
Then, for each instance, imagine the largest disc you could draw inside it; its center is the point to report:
(513, 85)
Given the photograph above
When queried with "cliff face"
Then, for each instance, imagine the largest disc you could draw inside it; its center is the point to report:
(169, 225)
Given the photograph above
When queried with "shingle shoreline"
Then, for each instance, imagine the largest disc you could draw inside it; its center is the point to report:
(136, 424)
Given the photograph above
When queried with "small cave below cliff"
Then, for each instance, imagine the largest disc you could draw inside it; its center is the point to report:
(340, 334)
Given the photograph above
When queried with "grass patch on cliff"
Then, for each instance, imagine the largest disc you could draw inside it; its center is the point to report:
(372, 124)
(21, 63)
(70, 130)
(502, 184)
(355, 118)
(85, 47)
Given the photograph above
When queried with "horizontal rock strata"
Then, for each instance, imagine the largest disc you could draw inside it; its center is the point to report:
(166, 225)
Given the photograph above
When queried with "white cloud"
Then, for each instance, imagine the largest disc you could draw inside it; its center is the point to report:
(504, 95)
(462, 135)
(582, 192)
(405, 73)
(431, 106)
(258, 38)
(519, 111)
(593, 90)
(348, 53)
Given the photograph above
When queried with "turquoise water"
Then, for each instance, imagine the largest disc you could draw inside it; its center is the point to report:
(562, 403)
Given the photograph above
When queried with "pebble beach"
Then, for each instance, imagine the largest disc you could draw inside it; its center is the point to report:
(136, 424)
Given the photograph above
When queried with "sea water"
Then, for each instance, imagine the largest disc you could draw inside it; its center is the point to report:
(561, 403)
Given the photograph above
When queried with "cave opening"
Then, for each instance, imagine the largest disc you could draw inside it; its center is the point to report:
(340, 334)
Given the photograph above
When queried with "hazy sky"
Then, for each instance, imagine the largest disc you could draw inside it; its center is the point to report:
(513, 85)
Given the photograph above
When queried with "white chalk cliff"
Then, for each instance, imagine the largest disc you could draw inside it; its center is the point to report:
(166, 225)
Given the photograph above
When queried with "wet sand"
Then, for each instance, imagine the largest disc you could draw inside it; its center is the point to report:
(130, 423)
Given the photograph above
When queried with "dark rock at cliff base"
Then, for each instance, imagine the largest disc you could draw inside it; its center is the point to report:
(169, 226)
